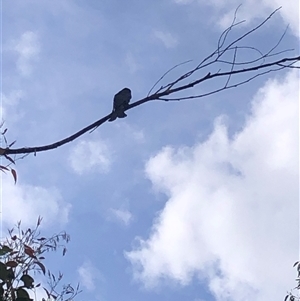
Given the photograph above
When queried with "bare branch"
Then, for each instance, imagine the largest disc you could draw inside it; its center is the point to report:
(171, 69)
(215, 65)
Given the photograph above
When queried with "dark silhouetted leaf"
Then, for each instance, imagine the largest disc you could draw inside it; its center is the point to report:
(29, 251)
(48, 294)
(11, 264)
(28, 281)
(12, 143)
(39, 220)
(3, 271)
(286, 297)
(41, 266)
(14, 173)
(4, 250)
(22, 294)
(9, 159)
(10, 274)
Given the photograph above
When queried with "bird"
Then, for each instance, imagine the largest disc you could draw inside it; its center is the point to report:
(121, 101)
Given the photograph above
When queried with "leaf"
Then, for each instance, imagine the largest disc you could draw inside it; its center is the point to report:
(295, 263)
(3, 133)
(4, 250)
(48, 294)
(21, 293)
(14, 173)
(12, 143)
(10, 274)
(286, 297)
(3, 271)
(29, 251)
(9, 159)
(39, 220)
(41, 266)
(11, 264)
(28, 281)
(14, 237)
(1, 166)
(64, 251)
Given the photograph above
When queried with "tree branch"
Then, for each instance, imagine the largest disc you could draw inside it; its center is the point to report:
(264, 63)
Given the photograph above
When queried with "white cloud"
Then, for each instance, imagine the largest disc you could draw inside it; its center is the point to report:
(26, 202)
(132, 132)
(122, 215)
(28, 48)
(166, 38)
(248, 11)
(232, 213)
(9, 106)
(90, 155)
(88, 275)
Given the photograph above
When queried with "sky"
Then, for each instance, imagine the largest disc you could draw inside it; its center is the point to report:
(192, 200)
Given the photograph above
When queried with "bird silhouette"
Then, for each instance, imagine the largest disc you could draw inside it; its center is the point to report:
(121, 101)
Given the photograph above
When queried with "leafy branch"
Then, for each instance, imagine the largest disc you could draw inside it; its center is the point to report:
(21, 258)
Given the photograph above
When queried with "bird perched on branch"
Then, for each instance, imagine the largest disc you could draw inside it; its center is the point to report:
(121, 101)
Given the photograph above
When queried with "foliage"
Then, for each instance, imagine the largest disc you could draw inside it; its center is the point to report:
(21, 260)
(10, 160)
(291, 296)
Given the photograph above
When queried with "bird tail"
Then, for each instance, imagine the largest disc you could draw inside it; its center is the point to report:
(117, 114)
(113, 116)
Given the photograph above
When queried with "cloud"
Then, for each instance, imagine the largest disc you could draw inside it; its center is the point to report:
(9, 106)
(88, 275)
(25, 203)
(232, 212)
(90, 155)
(166, 38)
(248, 11)
(28, 48)
(123, 216)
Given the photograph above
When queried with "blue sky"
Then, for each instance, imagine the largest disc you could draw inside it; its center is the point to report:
(194, 200)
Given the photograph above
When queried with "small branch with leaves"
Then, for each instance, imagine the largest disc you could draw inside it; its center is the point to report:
(21, 258)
